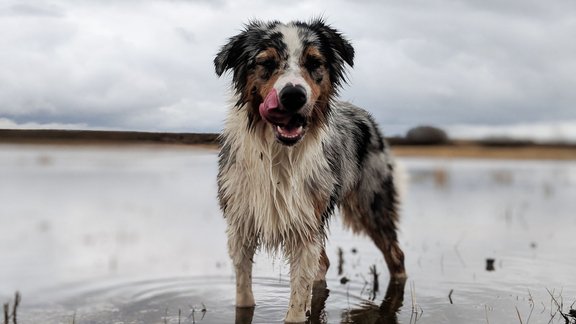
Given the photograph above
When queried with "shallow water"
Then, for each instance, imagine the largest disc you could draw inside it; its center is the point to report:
(134, 235)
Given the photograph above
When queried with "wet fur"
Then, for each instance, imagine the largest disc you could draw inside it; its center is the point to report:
(276, 196)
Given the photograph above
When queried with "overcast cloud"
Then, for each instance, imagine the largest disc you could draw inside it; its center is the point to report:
(473, 67)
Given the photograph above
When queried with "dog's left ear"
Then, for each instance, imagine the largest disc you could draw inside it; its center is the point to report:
(335, 40)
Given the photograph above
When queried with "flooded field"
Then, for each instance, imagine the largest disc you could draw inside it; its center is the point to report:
(133, 234)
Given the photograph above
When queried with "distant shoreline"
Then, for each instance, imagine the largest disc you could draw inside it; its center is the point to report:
(53, 136)
(489, 148)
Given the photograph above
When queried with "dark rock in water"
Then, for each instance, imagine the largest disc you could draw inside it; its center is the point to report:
(427, 135)
(490, 264)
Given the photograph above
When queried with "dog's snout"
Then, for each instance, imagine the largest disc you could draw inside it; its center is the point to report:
(293, 97)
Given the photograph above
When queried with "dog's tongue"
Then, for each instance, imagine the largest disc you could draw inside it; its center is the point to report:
(270, 102)
(270, 110)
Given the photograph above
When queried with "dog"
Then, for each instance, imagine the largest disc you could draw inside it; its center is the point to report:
(290, 153)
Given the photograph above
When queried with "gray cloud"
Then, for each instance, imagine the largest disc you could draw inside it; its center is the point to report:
(32, 10)
(460, 65)
(149, 66)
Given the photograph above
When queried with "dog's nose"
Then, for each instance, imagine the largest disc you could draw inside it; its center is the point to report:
(292, 97)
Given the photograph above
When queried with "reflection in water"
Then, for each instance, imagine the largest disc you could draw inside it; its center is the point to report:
(367, 313)
(244, 315)
(386, 313)
(320, 293)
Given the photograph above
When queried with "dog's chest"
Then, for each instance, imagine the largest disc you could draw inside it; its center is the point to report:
(282, 192)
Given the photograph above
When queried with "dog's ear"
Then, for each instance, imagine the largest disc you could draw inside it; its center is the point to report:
(229, 54)
(335, 40)
(237, 53)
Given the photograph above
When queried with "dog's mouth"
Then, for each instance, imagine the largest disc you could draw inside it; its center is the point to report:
(288, 127)
(292, 132)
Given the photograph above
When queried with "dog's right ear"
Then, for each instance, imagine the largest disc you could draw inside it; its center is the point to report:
(236, 53)
(229, 55)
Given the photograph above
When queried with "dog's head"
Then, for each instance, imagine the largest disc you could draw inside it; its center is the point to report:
(286, 74)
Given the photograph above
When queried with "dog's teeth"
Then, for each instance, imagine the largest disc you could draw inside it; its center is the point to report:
(289, 134)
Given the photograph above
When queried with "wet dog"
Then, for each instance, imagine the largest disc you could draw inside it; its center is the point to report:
(291, 153)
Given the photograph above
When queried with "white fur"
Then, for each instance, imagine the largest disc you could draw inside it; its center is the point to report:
(267, 189)
(270, 192)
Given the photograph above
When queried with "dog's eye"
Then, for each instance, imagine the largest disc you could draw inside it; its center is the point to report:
(268, 64)
(312, 64)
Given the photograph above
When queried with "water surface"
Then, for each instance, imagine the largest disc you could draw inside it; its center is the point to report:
(133, 234)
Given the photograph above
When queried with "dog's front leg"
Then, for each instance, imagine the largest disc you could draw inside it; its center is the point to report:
(303, 260)
(242, 254)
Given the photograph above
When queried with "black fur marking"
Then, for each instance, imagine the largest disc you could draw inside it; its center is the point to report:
(225, 159)
(381, 143)
(362, 141)
(331, 205)
(384, 205)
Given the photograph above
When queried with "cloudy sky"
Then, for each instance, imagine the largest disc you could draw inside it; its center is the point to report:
(476, 67)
